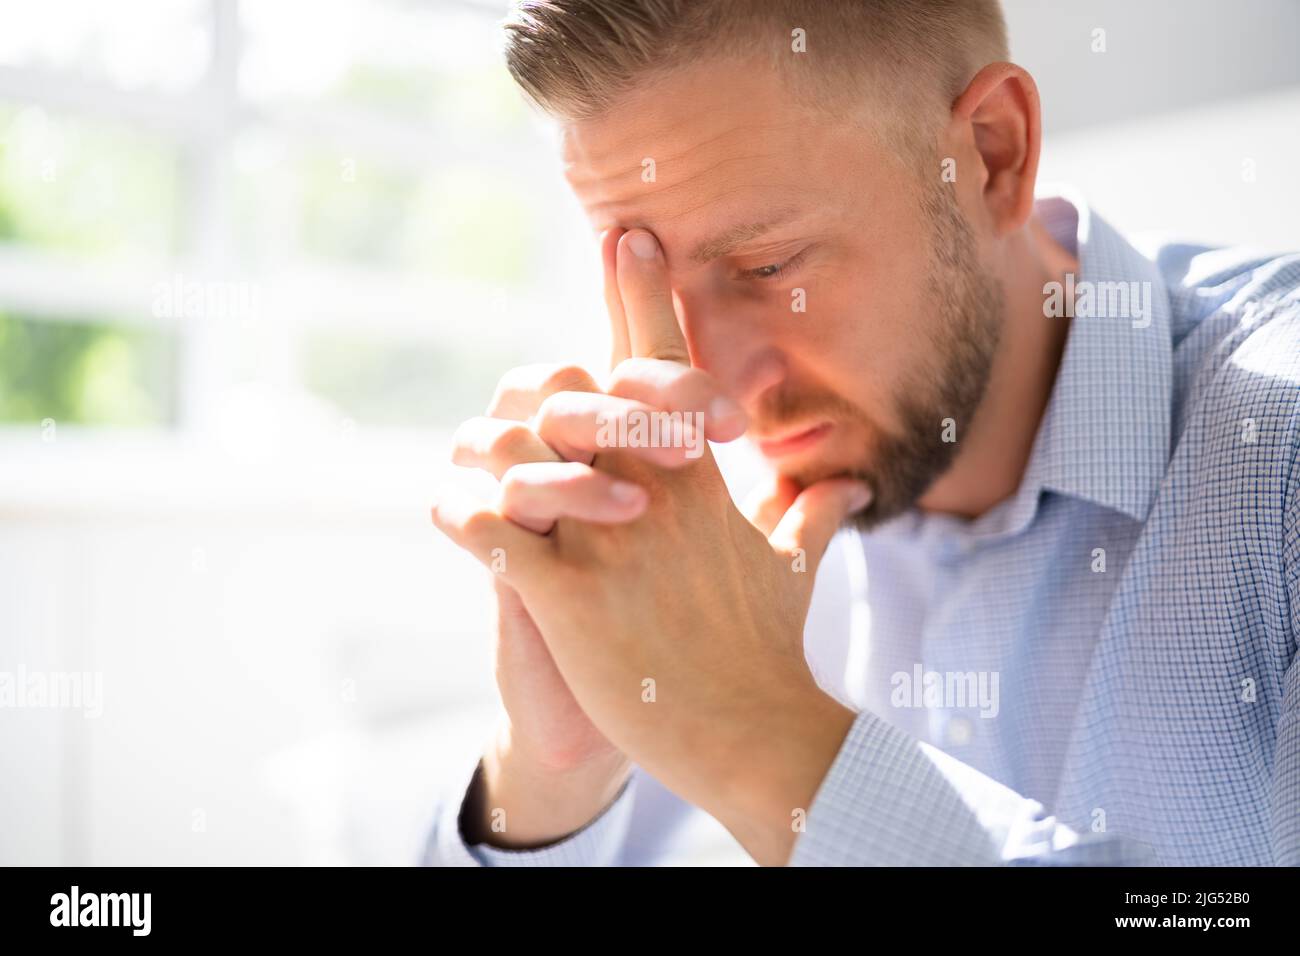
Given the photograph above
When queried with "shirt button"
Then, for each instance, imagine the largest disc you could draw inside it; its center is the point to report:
(959, 731)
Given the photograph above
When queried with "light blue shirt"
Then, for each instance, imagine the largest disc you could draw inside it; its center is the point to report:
(1100, 670)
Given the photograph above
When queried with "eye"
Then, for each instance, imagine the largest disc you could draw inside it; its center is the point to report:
(774, 271)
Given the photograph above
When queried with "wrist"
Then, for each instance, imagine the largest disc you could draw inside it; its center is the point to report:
(780, 767)
(522, 803)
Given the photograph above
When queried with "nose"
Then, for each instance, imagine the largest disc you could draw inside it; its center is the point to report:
(733, 346)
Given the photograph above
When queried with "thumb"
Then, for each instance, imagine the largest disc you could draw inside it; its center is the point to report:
(652, 327)
(767, 504)
(817, 514)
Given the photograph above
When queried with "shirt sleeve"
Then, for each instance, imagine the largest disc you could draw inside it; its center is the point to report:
(1284, 791)
(1284, 797)
(597, 844)
(891, 800)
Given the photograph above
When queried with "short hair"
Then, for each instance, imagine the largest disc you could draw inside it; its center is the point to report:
(574, 58)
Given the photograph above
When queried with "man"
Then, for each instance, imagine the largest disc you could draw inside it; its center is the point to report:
(1068, 471)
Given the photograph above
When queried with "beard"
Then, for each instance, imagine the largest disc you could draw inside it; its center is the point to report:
(900, 465)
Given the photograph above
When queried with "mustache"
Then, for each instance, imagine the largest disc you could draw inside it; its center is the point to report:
(779, 409)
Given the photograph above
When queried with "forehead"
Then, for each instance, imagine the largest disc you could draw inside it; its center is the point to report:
(702, 148)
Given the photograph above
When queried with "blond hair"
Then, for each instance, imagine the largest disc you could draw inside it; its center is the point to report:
(574, 58)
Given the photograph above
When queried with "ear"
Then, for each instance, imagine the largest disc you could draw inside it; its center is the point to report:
(998, 114)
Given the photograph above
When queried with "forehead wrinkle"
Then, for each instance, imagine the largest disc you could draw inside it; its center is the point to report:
(580, 145)
(658, 190)
(580, 153)
(658, 193)
(656, 223)
(704, 145)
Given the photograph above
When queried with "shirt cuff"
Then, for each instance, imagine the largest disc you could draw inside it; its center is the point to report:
(890, 800)
(596, 844)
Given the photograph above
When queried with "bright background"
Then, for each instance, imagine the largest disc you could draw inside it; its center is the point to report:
(224, 510)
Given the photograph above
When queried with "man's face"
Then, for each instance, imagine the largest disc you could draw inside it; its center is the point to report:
(762, 207)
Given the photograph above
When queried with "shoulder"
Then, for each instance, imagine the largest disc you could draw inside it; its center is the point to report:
(1235, 323)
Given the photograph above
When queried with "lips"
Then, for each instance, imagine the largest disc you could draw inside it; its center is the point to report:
(796, 440)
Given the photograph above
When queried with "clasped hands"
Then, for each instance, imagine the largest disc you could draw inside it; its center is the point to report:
(675, 622)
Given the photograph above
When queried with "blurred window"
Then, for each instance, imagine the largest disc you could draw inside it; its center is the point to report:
(345, 201)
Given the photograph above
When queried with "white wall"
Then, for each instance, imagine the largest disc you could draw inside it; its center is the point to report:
(1161, 55)
(290, 657)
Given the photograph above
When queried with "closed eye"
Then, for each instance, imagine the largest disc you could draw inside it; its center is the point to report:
(776, 270)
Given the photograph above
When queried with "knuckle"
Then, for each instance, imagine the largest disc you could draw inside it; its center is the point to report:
(515, 443)
(479, 529)
(509, 384)
(513, 483)
(546, 412)
(618, 378)
(632, 377)
(685, 388)
(568, 378)
(534, 479)
(554, 407)
(462, 442)
(518, 387)
(670, 351)
(524, 377)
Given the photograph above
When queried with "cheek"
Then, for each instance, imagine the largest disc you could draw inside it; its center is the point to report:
(850, 339)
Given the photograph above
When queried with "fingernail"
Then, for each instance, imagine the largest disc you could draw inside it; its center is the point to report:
(625, 492)
(642, 244)
(859, 498)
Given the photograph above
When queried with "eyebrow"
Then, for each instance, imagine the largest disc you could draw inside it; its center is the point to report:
(726, 242)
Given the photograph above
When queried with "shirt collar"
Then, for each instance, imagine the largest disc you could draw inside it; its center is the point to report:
(1105, 432)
